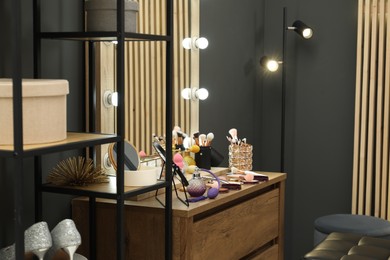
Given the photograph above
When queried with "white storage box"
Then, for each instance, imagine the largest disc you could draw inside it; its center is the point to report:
(145, 176)
(44, 110)
(102, 15)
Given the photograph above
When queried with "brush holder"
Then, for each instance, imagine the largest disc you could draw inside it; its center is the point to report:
(240, 156)
(203, 157)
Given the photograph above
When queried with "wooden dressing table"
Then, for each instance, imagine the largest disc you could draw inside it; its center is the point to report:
(242, 224)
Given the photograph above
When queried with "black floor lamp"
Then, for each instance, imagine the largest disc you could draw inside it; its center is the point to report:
(272, 65)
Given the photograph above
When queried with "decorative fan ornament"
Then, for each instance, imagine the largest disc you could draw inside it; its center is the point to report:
(76, 171)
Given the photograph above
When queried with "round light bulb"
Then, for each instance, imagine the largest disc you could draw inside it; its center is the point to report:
(307, 33)
(114, 99)
(201, 43)
(186, 43)
(110, 99)
(186, 93)
(272, 65)
(202, 93)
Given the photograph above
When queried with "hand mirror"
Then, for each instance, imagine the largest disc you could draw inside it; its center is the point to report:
(131, 159)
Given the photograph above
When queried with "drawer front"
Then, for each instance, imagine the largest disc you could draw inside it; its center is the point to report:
(238, 230)
(271, 253)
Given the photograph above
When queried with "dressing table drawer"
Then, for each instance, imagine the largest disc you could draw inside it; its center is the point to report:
(237, 230)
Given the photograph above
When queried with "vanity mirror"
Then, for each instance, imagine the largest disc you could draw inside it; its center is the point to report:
(145, 80)
(132, 160)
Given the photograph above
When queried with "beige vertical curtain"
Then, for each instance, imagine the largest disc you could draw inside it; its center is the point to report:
(370, 189)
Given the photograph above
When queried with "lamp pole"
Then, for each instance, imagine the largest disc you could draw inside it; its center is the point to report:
(283, 113)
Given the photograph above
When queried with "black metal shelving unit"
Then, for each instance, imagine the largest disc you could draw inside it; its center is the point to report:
(86, 140)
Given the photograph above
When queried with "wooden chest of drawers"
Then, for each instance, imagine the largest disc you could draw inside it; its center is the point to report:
(243, 224)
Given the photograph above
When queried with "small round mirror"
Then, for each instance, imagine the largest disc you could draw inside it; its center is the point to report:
(131, 159)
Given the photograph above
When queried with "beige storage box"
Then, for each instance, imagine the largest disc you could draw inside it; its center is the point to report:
(44, 110)
(102, 15)
(144, 176)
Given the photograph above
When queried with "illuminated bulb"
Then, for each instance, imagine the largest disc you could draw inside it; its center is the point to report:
(186, 93)
(302, 29)
(202, 93)
(110, 98)
(307, 33)
(187, 43)
(195, 43)
(272, 65)
(201, 43)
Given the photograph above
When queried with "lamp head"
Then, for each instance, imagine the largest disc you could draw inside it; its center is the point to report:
(302, 29)
(269, 64)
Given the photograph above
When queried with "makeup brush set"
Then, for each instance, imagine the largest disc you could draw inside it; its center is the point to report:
(240, 152)
(200, 145)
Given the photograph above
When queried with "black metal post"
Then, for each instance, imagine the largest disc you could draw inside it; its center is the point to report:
(38, 187)
(18, 128)
(120, 79)
(37, 38)
(168, 131)
(92, 228)
(283, 115)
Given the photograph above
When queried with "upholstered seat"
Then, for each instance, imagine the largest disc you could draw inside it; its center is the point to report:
(349, 246)
(349, 223)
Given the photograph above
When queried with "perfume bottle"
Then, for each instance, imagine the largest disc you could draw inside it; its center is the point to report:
(196, 187)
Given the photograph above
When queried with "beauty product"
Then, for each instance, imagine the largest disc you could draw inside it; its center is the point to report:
(196, 187)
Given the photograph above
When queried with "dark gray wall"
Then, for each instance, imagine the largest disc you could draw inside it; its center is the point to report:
(320, 99)
(320, 81)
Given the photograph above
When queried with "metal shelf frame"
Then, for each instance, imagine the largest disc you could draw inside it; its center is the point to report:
(18, 151)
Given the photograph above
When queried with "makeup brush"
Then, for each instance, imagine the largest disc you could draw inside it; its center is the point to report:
(196, 138)
(155, 137)
(174, 137)
(209, 137)
(202, 139)
(187, 142)
(233, 133)
(229, 139)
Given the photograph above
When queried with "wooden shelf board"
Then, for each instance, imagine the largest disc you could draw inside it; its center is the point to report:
(72, 138)
(104, 190)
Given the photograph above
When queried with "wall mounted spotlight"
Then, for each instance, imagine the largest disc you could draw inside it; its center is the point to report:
(195, 43)
(195, 93)
(302, 29)
(269, 64)
(110, 99)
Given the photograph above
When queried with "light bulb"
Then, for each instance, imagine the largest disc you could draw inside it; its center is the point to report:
(201, 43)
(202, 93)
(186, 43)
(114, 99)
(272, 65)
(186, 93)
(307, 33)
(110, 99)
